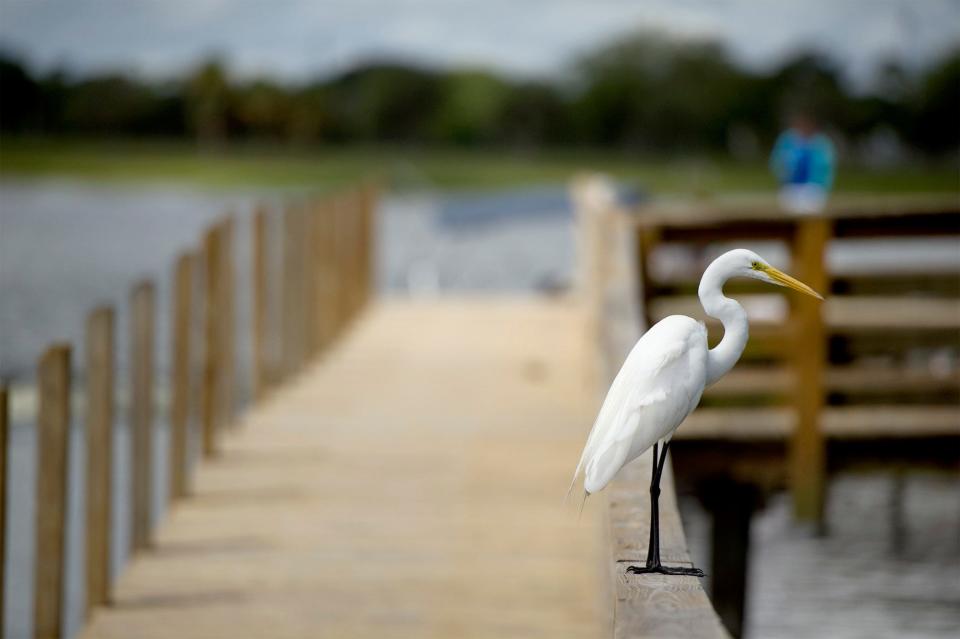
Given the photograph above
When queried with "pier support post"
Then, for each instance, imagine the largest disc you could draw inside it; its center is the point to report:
(4, 447)
(261, 361)
(181, 326)
(732, 505)
(228, 321)
(99, 417)
(53, 435)
(212, 338)
(142, 317)
(807, 456)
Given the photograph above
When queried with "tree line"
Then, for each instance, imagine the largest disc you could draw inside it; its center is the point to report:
(646, 92)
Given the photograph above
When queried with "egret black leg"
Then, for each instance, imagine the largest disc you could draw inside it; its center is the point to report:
(653, 564)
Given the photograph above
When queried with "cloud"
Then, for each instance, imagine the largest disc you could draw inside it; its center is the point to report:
(301, 38)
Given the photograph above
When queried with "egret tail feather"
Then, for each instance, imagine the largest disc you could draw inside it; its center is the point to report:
(586, 494)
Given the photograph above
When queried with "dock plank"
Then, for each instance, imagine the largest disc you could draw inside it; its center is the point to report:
(409, 484)
(839, 422)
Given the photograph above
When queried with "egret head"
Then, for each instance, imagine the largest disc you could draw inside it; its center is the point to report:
(748, 264)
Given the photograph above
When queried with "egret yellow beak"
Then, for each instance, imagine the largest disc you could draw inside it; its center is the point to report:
(783, 279)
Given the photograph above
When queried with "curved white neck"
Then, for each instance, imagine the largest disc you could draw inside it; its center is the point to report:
(736, 329)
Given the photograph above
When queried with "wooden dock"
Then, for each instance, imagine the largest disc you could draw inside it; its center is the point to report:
(409, 483)
(850, 383)
(402, 469)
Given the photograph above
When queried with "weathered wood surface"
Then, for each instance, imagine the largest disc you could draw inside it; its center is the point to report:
(212, 380)
(409, 484)
(142, 344)
(759, 380)
(181, 378)
(4, 448)
(806, 455)
(653, 605)
(644, 605)
(99, 354)
(856, 345)
(53, 424)
(840, 313)
(260, 304)
(837, 422)
(228, 321)
(765, 210)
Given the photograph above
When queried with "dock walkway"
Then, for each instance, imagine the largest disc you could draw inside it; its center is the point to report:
(409, 483)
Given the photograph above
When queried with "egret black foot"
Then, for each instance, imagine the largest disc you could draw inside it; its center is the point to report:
(665, 570)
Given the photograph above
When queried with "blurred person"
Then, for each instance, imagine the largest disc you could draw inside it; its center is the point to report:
(803, 160)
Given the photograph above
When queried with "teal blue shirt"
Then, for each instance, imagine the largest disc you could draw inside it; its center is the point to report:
(798, 160)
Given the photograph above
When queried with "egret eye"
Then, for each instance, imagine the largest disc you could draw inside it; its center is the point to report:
(757, 266)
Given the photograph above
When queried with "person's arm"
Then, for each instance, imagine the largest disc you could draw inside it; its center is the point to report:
(830, 161)
(825, 162)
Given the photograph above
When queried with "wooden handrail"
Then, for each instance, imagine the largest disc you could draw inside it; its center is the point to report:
(643, 605)
(802, 338)
(326, 280)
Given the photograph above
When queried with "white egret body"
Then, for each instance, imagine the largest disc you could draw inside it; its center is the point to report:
(662, 380)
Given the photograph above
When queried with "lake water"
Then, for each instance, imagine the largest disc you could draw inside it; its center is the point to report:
(65, 247)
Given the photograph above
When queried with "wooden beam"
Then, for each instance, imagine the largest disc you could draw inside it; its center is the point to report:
(142, 320)
(292, 288)
(368, 241)
(646, 242)
(732, 505)
(653, 605)
(807, 464)
(260, 305)
(327, 281)
(311, 275)
(210, 394)
(359, 205)
(319, 242)
(341, 216)
(53, 434)
(180, 372)
(228, 327)
(4, 451)
(99, 416)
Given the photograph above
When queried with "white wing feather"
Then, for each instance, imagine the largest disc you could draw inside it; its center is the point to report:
(659, 384)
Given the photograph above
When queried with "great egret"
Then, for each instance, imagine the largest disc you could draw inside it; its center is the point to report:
(661, 382)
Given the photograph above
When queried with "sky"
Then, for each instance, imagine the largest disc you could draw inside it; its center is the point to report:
(299, 39)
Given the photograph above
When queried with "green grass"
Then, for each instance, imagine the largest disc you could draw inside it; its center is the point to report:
(259, 166)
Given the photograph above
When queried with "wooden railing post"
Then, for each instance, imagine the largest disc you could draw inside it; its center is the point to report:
(210, 393)
(807, 463)
(326, 286)
(4, 448)
(319, 276)
(363, 243)
(99, 415)
(646, 242)
(261, 360)
(292, 291)
(309, 281)
(228, 326)
(359, 249)
(142, 319)
(303, 286)
(53, 433)
(180, 372)
(369, 232)
(341, 224)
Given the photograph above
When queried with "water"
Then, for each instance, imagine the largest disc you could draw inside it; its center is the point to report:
(65, 247)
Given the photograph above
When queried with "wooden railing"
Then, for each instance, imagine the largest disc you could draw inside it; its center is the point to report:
(647, 605)
(839, 369)
(835, 373)
(316, 254)
(822, 386)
